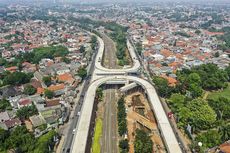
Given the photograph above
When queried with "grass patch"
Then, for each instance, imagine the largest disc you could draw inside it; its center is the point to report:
(97, 136)
(224, 93)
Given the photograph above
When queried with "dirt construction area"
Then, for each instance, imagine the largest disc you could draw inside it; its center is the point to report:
(140, 116)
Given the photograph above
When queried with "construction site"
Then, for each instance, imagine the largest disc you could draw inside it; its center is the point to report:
(140, 116)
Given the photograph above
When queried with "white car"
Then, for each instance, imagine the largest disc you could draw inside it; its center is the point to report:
(74, 131)
(78, 113)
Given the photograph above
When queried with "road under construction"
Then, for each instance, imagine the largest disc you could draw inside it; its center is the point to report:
(128, 77)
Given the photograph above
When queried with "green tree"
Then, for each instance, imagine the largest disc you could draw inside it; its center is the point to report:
(17, 78)
(82, 72)
(177, 101)
(30, 90)
(194, 78)
(221, 107)
(124, 146)
(5, 105)
(93, 42)
(21, 140)
(143, 142)
(82, 49)
(47, 80)
(162, 86)
(27, 111)
(49, 94)
(66, 60)
(209, 139)
(224, 131)
(45, 142)
(121, 117)
(195, 90)
(202, 116)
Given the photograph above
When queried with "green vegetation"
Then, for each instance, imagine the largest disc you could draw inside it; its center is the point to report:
(221, 107)
(143, 142)
(30, 90)
(5, 105)
(223, 93)
(36, 55)
(121, 117)
(66, 60)
(124, 146)
(211, 77)
(27, 111)
(45, 142)
(118, 35)
(82, 72)
(162, 86)
(82, 49)
(42, 127)
(209, 139)
(97, 135)
(99, 93)
(47, 80)
(22, 140)
(49, 94)
(93, 42)
(206, 117)
(182, 34)
(15, 78)
(139, 48)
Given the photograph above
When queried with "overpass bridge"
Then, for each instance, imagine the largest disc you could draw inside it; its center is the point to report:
(103, 75)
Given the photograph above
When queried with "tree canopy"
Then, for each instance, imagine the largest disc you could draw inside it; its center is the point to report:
(143, 142)
(22, 140)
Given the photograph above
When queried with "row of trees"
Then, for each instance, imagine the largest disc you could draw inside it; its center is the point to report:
(21, 140)
(119, 36)
(121, 117)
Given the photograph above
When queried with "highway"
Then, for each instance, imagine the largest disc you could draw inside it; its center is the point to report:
(100, 76)
(73, 123)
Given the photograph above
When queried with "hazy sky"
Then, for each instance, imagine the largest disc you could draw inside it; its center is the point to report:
(93, 1)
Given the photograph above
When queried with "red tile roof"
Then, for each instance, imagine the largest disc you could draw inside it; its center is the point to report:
(25, 102)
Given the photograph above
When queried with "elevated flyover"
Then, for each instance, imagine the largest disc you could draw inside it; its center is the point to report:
(100, 70)
(103, 75)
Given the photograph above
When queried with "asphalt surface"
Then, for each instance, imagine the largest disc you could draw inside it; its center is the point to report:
(109, 135)
(110, 58)
(69, 137)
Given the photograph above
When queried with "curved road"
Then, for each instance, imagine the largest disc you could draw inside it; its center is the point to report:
(100, 76)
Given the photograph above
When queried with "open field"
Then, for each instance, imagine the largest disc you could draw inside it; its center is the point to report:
(97, 136)
(215, 95)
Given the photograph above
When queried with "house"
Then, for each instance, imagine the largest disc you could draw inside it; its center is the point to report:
(8, 91)
(10, 123)
(4, 116)
(37, 120)
(66, 77)
(171, 81)
(51, 115)
(28, 67)
(58, 89)
(24, 102)
(12, 69)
